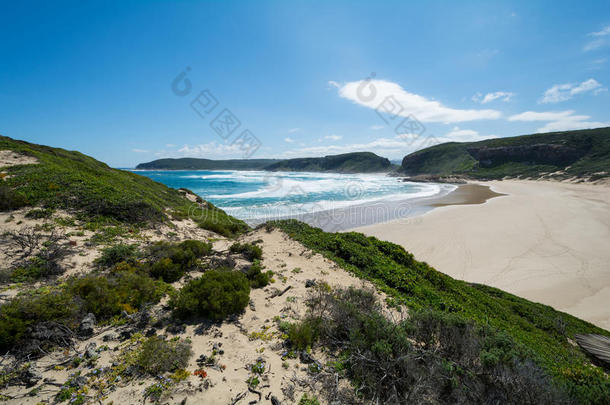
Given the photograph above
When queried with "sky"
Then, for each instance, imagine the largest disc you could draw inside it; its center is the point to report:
(129, 81)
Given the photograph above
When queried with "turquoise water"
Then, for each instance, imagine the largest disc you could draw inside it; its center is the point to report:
(256, 196)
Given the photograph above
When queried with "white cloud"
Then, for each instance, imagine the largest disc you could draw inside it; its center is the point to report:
(386, 96)
(288, 139)
(545, 116)
(563, 92)
(600, 61)
(489, 97)
(465, 135)
(211, 150)
(376, 127)
(604, 32)
(601, 38)
(293, 130)
(333, 83)
(170, 145)
(558, 120)
(140, 150)
(333, 137)
(393, 148)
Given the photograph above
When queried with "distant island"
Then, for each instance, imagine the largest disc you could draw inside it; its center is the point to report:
(356, 162)
(582, 154)
(207, 164)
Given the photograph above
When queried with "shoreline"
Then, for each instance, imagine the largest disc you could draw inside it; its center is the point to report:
(380, 211)
(544, 241)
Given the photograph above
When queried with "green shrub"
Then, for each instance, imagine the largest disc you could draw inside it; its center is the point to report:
(158, 356)
(307, 400)
(169, 261)
(216, 295)
(116, 254)
(431, 357)
(257, 277)
(166, 270)
(39, 213)
(123, 291)
(302, 335)
(9, 199)
(196, 247)
(250, 251)
(33, 308)
(33, 270)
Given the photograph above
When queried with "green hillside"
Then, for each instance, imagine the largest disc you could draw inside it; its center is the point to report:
(206, 164)
(543, 331)
(356, 162)
(561, 155)
(97, 193)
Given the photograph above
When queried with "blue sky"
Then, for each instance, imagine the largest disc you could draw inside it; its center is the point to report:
(97, 76)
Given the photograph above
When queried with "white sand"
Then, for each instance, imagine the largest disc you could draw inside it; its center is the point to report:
(544, 241)
(10, 158)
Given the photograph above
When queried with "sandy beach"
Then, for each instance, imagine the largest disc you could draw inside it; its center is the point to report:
(545, 241)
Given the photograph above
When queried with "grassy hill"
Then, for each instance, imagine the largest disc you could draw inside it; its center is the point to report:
(356, 162)
(544, 332)
(94, 191)
(206, 164)
(561, 155)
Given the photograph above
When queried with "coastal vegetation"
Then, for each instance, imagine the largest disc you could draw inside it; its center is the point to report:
(431, 356)
(559, 155)
(215, 295)
(458, 341)
(542, 331)
(99, 194)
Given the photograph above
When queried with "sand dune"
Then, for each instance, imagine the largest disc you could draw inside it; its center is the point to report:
(547, 242)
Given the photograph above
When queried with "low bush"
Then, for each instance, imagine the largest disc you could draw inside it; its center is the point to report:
(250, 251)
(215, 295)
(28, 310)
(116, 254)
(34, 269)
(430, 357)
(158, 356)
(9, 199)
(303, 335)
(170, 261)
(309, 400)
(166, 270)
(107, 296)
(39, 213)
(258, 278)
(39, 255)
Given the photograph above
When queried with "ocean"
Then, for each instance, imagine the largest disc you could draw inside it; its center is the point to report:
(340, 201)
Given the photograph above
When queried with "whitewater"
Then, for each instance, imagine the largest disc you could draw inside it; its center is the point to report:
(258, 196)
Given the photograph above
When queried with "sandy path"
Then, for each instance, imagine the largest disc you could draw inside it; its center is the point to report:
(547, 242)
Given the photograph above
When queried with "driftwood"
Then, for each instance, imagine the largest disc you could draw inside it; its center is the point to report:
(597, 346)
(239, 397)
(280, 293)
